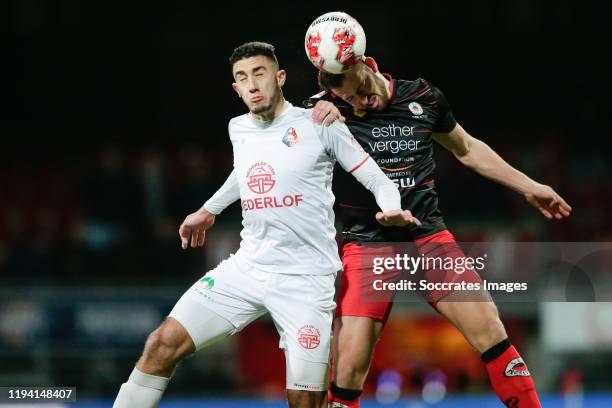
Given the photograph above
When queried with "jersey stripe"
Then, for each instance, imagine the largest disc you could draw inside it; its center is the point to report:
(360, 164)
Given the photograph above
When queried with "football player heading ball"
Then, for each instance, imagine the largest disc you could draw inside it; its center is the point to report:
(397, 122)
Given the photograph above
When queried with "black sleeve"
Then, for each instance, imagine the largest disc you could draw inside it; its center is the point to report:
(309, 103)
(445, 121)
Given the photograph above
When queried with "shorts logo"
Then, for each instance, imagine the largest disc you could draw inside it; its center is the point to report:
(307, 387)
(512, 402)
(415, 108)
(290, 138)
(517, 367)
(309, 337)
(260, 178)
(207, 282)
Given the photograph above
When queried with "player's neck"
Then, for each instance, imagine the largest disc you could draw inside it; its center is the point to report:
(280, 107)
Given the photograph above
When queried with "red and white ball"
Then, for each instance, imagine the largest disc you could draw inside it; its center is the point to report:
(334, 42)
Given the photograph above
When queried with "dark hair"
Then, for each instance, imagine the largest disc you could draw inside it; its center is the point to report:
(253, 49)
(327, 81)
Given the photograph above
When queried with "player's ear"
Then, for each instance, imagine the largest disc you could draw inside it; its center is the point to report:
(236, 89)
(370, 62)
(281, 77)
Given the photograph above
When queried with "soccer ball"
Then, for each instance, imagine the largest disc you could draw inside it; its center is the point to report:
(334, 42)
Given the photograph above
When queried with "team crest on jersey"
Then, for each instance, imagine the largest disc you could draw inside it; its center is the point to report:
(517, 367)
(290, 138)
(415, 108)
(309, 337)
(261, 178)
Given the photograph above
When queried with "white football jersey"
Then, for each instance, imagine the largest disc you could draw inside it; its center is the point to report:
(283, 169)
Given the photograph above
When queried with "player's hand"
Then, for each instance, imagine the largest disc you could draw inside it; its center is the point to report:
(194, 228)
(396, 218)
(325, 112)
(548, 202)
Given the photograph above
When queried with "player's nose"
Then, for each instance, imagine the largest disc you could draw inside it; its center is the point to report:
(252, 85)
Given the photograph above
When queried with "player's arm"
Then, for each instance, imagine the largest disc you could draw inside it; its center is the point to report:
(343, 146)
(479, 157)
(323, 111)
(195, 225)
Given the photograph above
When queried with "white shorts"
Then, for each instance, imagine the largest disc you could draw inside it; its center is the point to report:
(301, 307)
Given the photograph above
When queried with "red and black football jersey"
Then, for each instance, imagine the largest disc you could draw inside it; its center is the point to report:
(399, 139)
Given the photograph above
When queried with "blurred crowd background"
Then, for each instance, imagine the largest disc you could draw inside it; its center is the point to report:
(115, 128)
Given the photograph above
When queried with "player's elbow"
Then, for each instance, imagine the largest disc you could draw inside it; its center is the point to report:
(466, 160)
(467, 152)
(463, 155)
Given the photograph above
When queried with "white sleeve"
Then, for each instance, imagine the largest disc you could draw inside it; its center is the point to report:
(385, 191)
(342, 146)
(226, 195)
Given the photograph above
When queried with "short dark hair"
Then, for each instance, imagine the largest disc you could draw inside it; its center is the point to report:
(253, 49)
(328, 81)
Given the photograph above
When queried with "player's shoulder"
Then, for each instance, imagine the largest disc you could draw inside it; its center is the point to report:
(325, 96)
(240, 120)
(237, 126)
(297, 113)
(417, 90)
(304, 117)
(406, 88)
(311, 101)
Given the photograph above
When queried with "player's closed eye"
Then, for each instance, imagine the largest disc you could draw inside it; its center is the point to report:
(361, 91)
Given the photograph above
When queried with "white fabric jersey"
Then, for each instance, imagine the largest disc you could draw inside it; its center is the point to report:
(283, 174)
